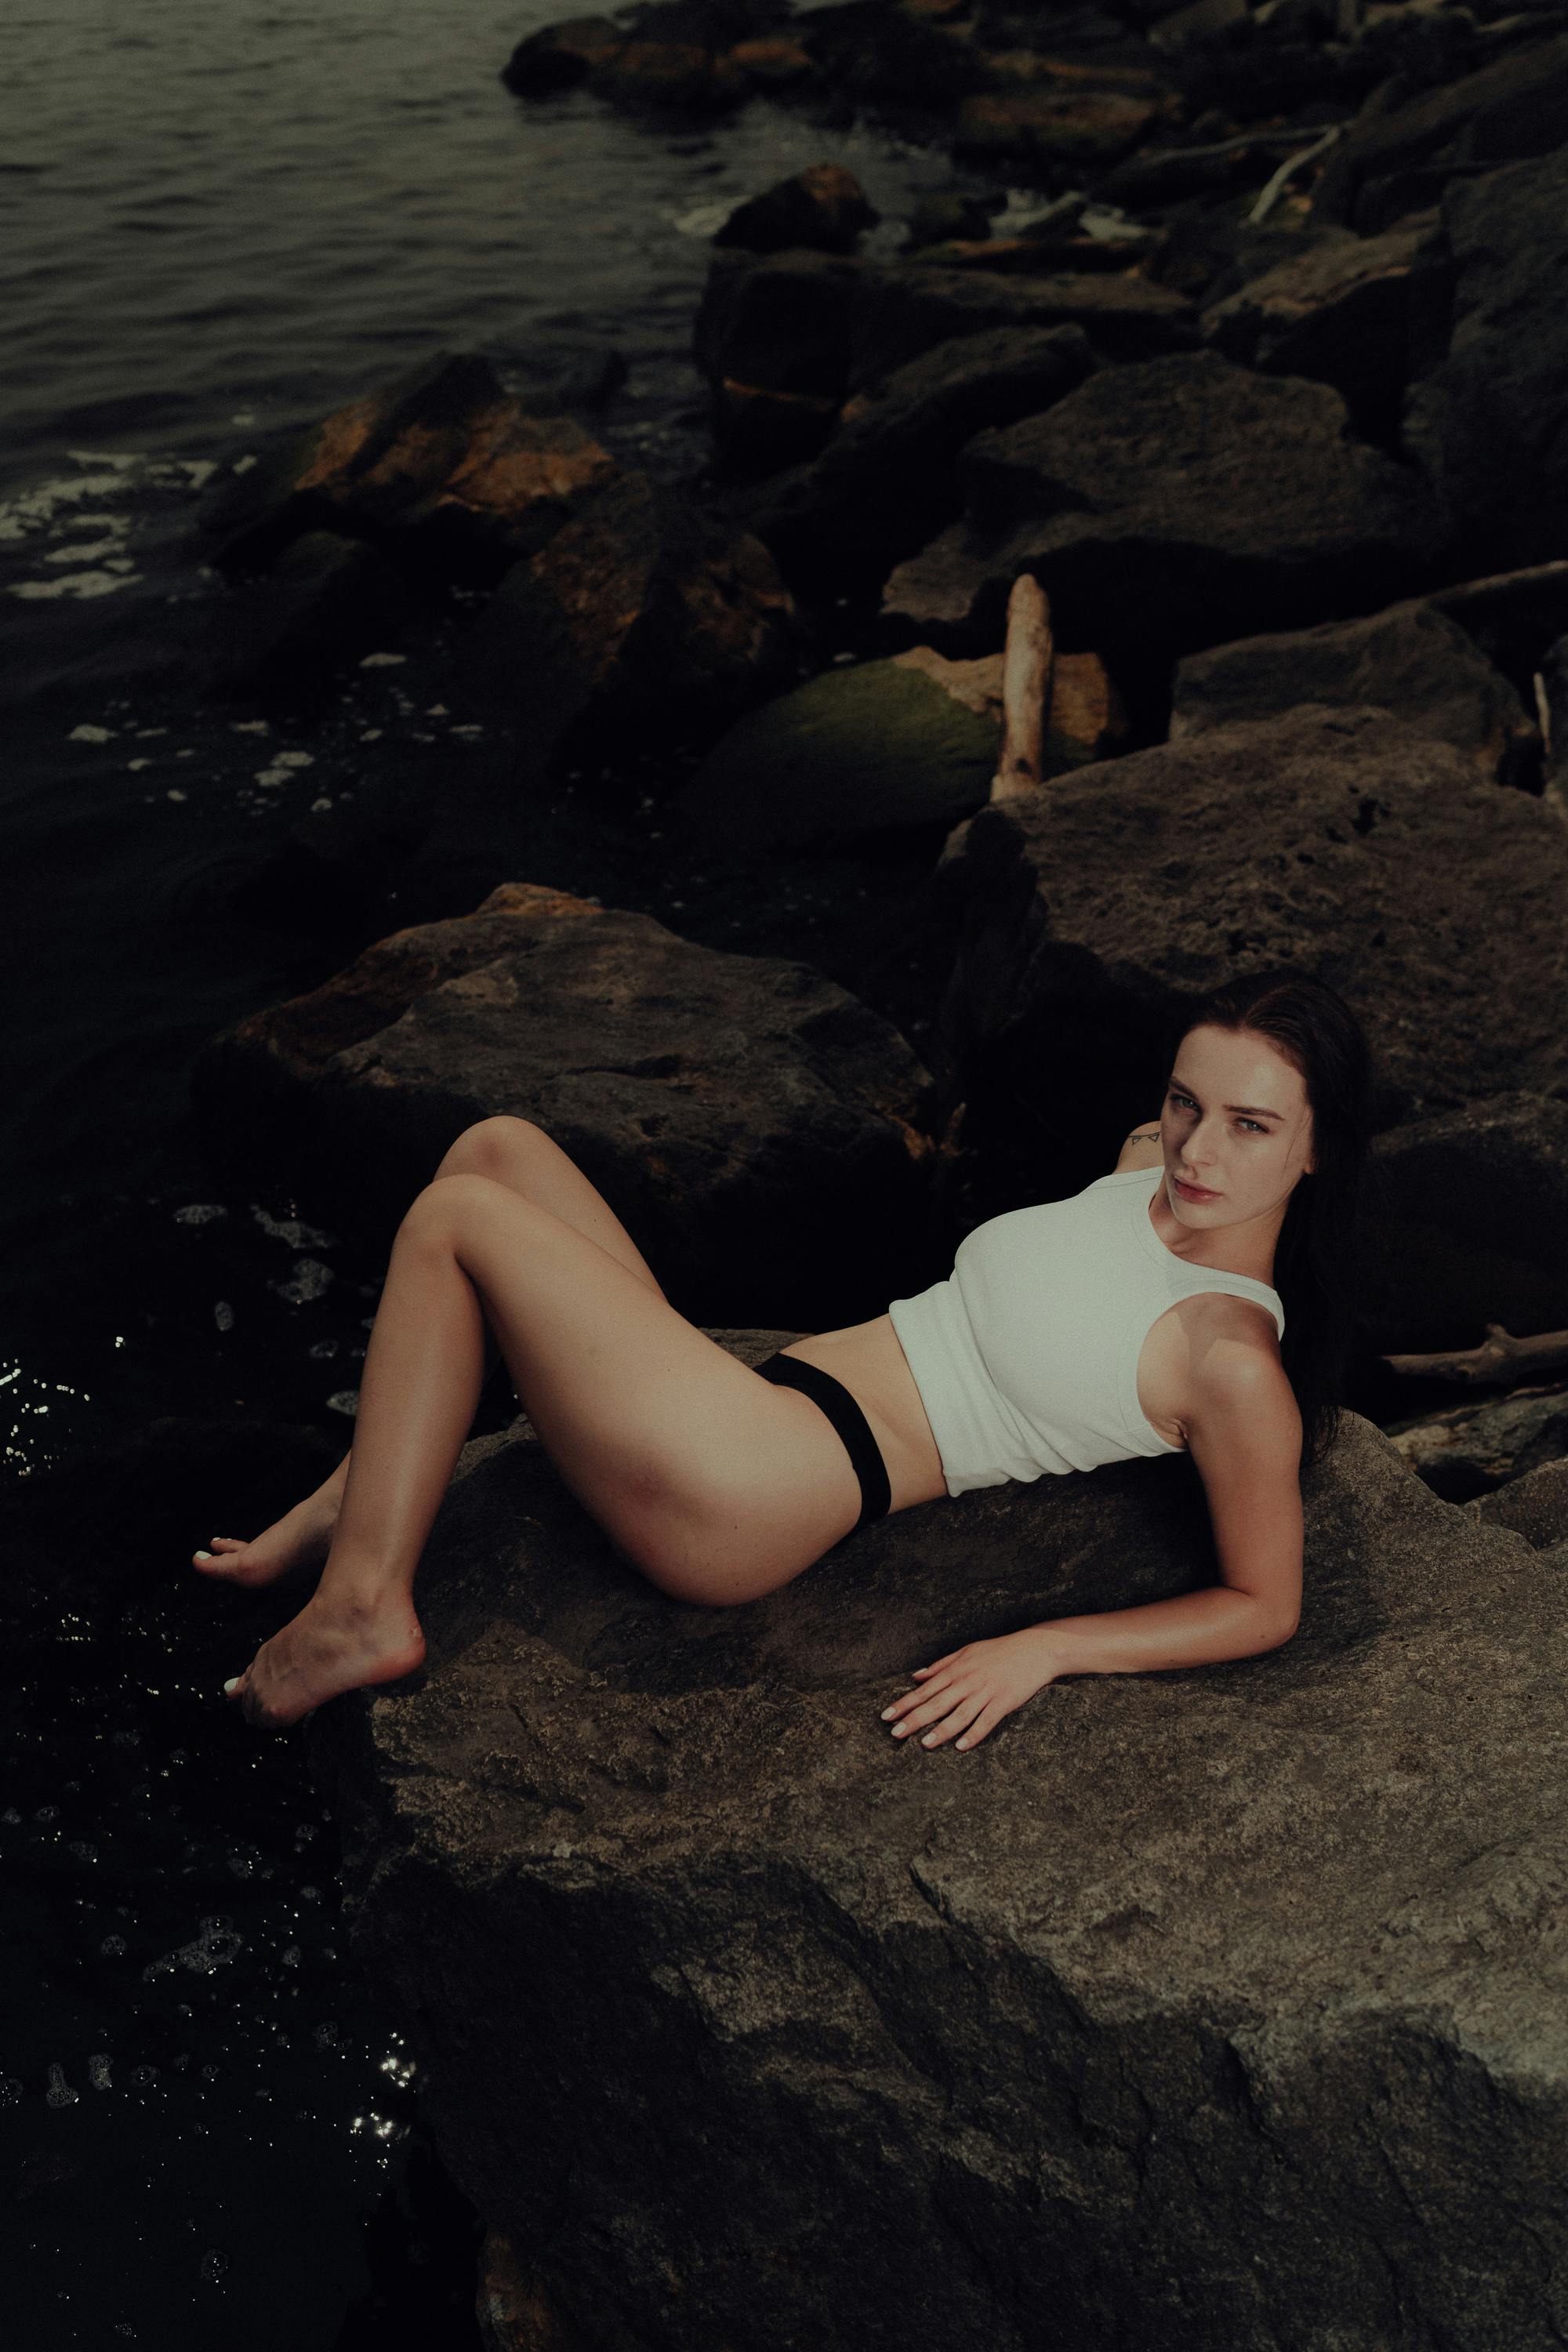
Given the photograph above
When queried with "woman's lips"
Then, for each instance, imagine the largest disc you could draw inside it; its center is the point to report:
(1193, 1192)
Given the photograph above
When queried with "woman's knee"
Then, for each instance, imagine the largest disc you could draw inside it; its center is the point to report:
(448, 1203)
(489, 1146)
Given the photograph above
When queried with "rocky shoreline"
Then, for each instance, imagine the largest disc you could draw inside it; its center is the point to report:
(1240, 332)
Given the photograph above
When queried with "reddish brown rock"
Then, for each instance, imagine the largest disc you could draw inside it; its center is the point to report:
(1074, 127)
(441, 464)
(645, 614)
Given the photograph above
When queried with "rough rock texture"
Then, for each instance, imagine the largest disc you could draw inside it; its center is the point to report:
(1489, 423)
(1474, 1224)
(1339, 313)
(644, 615)
(1218, 2010)
(884, 481)
(1335, 839)
(441, 464)
(852, 752)
(1174, 504)
(712, 1098)
(1411, 659)
(1535, 1507)
(1473, 1449)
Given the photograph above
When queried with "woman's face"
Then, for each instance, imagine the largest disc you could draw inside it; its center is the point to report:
(1237, 1128)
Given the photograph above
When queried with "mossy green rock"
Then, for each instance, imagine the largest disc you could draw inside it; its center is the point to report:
(854, 751)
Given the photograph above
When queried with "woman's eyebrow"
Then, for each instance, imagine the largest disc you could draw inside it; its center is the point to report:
(1251, 1110)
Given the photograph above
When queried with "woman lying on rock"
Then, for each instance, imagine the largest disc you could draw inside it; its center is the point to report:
(1137, 1317)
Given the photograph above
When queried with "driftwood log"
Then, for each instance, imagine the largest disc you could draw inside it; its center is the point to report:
(1499, 1361)
(1027, 669)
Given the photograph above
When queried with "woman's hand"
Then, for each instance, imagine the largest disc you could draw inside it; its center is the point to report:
(967, 1693)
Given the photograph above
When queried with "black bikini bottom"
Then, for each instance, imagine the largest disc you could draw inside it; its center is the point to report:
(865, 1454)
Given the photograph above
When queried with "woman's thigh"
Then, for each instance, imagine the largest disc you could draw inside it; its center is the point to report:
(518, 1152)
(716, 1484)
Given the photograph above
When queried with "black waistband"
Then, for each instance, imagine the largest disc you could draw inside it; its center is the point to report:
(839, 1405)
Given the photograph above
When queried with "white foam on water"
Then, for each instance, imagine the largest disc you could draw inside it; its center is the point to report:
(81, 584)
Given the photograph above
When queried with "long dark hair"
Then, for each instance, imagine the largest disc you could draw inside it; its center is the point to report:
(1314, 1259)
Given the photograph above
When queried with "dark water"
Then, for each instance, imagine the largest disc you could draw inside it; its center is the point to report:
(215, 223)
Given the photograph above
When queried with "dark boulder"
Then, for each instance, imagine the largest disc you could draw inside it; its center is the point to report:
(1339, 313)
(717, 1100)
(442, 465)
(1472, 1226)
(822, 209)
(644, 617)
(1336, 840)
(907, 307)
(561, 56)
(1411, 660)
(1535, 1507)
(1473, 1449)
(1101, 2033)
(1515, 107)
(886, 480)
(1488, 421)
(772, 336)
(1172, 505)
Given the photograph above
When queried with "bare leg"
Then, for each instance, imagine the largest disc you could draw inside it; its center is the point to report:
(716, 1485)
(418, 1395)
(514, 1152)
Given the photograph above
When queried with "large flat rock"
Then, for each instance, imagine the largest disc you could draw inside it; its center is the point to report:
(1221, 2011)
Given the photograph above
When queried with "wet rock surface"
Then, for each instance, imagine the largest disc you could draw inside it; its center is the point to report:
(1062, 2022)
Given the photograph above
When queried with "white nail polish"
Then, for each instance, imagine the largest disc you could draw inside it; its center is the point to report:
(232, 1683)
(204, 1555)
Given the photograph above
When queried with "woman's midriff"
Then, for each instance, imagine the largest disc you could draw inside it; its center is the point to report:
(871, 1364)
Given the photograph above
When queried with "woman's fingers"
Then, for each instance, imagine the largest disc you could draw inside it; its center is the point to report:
(958, 1720)
(989, 1716)
(930, 1706)
(913, 1699)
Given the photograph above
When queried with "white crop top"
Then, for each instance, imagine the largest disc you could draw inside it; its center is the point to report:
(1026, 1356)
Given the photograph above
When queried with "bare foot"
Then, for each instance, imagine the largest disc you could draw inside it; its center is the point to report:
(322, 1652)
(290, 1547)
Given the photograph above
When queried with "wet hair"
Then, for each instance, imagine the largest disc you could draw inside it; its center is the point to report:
(1314, 1259)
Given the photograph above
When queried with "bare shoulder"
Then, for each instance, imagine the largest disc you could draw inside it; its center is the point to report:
(1233, 1377)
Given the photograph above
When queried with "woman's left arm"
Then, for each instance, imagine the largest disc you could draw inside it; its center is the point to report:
(1244, 1432)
